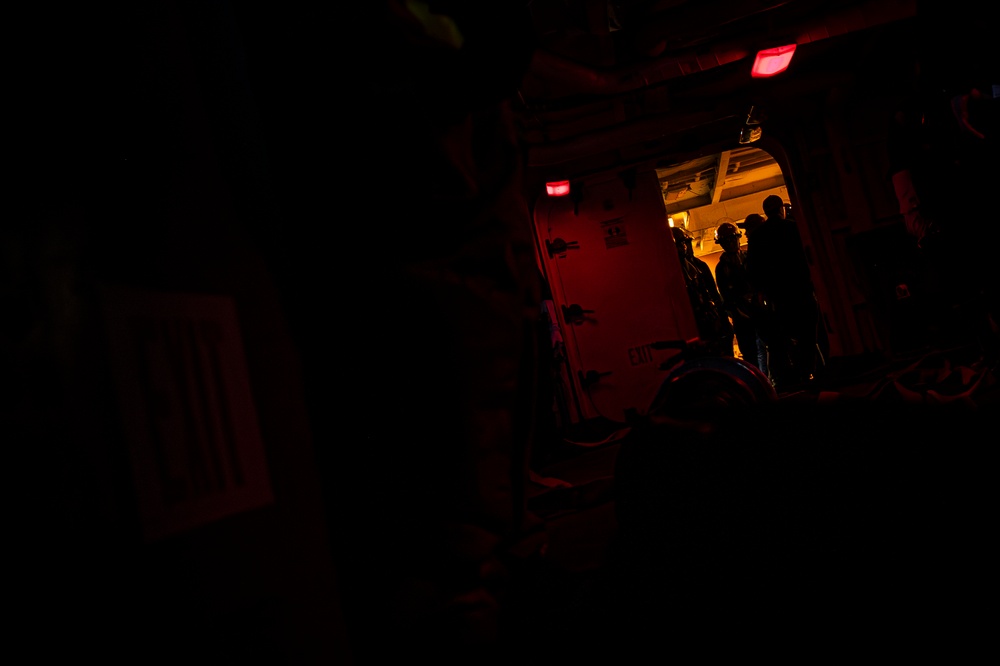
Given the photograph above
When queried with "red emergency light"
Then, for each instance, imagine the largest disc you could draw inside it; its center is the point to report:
(559, 188)
(772, 61)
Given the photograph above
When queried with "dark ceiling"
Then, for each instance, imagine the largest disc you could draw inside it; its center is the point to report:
(612, 83)
(607, 84)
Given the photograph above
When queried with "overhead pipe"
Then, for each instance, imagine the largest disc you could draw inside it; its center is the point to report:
(669, 22)
(567, 150)
(590, 81)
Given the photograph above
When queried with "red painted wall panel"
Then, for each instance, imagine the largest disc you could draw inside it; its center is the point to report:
(625, 272)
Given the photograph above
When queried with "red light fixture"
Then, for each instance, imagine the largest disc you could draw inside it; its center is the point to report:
(559, 188)
(772, 61)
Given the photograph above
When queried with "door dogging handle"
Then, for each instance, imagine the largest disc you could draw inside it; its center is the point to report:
(590, 377)
(559, 246)
(575, 314)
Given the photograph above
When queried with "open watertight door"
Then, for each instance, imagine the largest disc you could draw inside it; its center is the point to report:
(617, 287)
